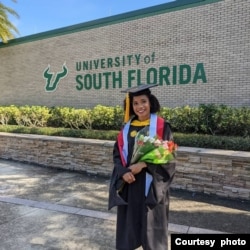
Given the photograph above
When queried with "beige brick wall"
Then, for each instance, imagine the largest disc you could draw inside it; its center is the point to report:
(218, 172)
(215, 34)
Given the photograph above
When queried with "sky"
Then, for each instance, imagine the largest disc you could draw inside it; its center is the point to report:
(44, 15)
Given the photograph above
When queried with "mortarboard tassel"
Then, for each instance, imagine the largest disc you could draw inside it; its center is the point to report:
(127, 108)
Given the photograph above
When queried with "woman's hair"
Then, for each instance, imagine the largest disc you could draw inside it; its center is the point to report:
(153, 101)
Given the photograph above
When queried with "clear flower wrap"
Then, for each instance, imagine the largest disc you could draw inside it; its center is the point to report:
(152, 150)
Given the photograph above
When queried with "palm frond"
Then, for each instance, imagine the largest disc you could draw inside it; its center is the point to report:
(7, 29)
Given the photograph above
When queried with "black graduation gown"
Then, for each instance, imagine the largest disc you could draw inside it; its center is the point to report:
(141, 221)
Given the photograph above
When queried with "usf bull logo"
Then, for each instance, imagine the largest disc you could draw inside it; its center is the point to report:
(53, 79)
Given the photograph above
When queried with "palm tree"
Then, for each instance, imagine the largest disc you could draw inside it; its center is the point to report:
(6, 27)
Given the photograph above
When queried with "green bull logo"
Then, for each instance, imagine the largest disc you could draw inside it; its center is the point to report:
(53, 79)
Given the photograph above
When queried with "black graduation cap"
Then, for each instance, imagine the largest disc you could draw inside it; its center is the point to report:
(139, 88)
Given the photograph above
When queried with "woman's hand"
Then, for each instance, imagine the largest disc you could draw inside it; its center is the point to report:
(128, 177)
(137, 167)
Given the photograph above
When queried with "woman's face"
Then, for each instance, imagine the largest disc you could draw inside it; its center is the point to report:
(141, 107)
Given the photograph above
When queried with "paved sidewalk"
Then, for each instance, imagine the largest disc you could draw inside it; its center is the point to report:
(44, 208)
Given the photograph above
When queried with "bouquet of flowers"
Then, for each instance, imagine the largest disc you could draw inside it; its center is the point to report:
(152, 150)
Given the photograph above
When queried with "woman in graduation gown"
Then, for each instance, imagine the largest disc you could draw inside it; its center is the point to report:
(142, 214)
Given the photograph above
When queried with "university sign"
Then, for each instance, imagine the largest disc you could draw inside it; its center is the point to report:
(126, 71)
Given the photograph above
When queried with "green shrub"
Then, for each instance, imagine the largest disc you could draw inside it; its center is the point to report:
(8, 114)
(224, 120)
(234, 122)
(55, 119)
(182, 119)
(106, 118)
(68, 117)
(32, 116)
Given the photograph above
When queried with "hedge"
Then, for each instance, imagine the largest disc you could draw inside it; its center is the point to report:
(208, 126)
